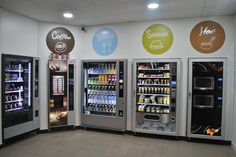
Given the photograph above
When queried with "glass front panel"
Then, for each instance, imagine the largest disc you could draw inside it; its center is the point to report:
(156, 96)
(17, 90)
(100, 82)
(207, 93)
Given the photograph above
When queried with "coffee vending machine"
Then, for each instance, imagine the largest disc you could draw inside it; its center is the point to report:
(61, 93)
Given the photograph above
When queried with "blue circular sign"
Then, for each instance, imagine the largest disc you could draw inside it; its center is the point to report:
(105, 41)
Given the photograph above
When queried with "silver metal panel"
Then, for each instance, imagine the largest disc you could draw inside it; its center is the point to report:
(18, 129)
(178, 95)
(36, 100)
(107, 122)
(71, 114)
(190, 81)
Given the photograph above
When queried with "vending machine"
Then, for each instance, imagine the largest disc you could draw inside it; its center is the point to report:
(61, 93)
(156, 96)
(206, 98)
(20, 95)
(104, 94)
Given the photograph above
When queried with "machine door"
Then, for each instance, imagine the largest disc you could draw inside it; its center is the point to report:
(100, 84)
(205, 99)
(16, 90)
(155, 99)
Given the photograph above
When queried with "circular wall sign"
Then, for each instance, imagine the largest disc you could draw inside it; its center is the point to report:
(157, 39)
(104, 41)
(60, 41)
(207, 37)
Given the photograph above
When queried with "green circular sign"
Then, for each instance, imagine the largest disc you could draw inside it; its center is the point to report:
(157, 39)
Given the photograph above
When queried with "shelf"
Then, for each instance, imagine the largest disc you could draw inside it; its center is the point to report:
(13, 101)
(14, 109)
(10, 81)
(102, 73)
(164, 85)
(102, 111)
(101, 104)
(153, 94)
(151, 112)
(95, 93)
(101, 84)
(17, 91)
(144, 77)
(164, 105)
(154, 69)
(13, 70)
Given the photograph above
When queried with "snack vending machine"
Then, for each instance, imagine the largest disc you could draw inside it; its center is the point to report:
(206, 98)
(61, 93)
(20, 95)
(104, 100)
(156, 96)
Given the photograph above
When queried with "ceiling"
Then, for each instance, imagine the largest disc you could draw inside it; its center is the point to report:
(95, 12)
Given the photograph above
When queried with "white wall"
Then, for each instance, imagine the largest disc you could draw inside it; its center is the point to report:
(234, 119)
(44, 52)
(19, 36)
(130, 47)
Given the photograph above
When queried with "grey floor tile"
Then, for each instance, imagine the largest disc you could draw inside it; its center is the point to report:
(152, 153)
(83, 143)
(133, 152)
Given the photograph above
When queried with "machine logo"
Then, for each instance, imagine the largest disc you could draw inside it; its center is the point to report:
(60, 47)
(207, 37)
(157, 39)
(105, 41)
(60, 41)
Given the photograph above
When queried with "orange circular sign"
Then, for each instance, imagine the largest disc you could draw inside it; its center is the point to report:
(207, 37)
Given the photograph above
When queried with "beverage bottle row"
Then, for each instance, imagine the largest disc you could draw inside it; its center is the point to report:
(102, 79)
(12, 97)
(102, 99)
(12, 77)
(13, 106)
(93, 88)
(101, 108)
(103, 69)
(14, 67)
(12, 87)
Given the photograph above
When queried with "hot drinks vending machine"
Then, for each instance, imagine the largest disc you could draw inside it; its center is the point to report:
(104, 96)
(206, 98)
(20, 95)
(61, 93)
(156, 96)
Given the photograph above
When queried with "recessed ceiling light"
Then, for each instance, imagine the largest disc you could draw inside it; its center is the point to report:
(68, 15)
(153, 5)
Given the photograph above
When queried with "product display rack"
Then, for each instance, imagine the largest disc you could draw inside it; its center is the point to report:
(101, 95)
(155, 96)
(13, 87)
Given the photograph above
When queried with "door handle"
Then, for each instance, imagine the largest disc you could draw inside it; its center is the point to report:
(190, 95)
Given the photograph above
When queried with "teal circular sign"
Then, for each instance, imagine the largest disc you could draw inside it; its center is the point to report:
(105, 41)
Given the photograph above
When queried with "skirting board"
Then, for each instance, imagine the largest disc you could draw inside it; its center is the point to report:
(233, 146)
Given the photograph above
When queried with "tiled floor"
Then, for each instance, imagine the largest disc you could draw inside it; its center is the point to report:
(82, 143)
